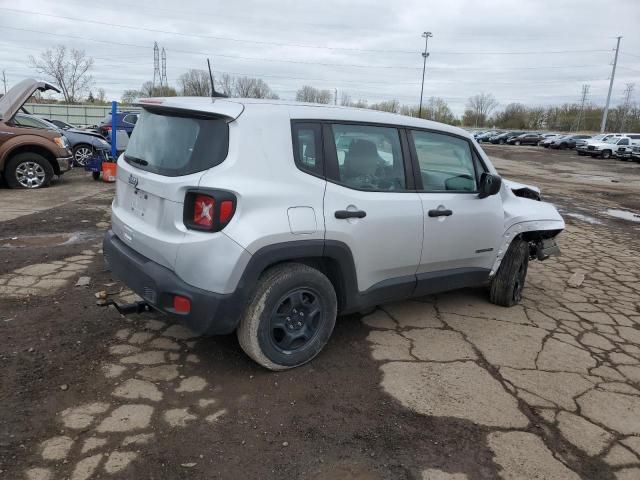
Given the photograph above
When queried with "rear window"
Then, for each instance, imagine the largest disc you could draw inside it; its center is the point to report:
(174, 145)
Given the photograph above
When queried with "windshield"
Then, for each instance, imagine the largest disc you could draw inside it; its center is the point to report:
(599, 137)
(173, 145)
(612, 140)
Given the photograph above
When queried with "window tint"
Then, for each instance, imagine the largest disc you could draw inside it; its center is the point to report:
(623, 141)
(175, 145)
(307, 147)
(635, 137)
(446, 162)
(130, 119)
(369, 157)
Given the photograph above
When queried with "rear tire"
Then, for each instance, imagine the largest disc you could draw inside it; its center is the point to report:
(606, 154)
(28, 170)
(517, 142)
(501, 142)
(289, 318)
(508, 283)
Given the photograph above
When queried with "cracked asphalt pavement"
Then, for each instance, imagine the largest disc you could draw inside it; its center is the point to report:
(446, 387)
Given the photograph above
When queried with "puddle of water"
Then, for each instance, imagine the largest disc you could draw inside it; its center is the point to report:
(623, 214)
(584, 218)
(46, 240)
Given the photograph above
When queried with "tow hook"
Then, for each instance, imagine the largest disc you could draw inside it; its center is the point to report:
(127, 308)
(545, 248)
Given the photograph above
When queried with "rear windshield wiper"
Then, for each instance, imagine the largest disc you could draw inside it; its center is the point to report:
(137, 160)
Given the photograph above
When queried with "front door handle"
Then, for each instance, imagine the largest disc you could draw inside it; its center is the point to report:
(342, 214)
(440, 213)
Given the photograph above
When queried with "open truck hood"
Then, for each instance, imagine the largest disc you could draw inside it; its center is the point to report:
(19, 94)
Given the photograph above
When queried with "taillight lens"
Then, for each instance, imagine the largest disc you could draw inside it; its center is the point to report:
(208, 210)
(203, 210)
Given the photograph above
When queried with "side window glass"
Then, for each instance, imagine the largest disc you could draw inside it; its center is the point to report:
(369, 157)
(307, 147)
(446, 162)
(624, 141)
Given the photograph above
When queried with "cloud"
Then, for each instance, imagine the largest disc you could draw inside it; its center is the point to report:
(365, 48)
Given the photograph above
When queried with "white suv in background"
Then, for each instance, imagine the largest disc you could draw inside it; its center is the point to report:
(582, 146)
(272, 218)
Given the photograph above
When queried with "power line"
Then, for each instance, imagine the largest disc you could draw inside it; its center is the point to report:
(281, 44)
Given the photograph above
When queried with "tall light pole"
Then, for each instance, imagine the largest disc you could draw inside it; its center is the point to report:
(425, 54)
(613, 74)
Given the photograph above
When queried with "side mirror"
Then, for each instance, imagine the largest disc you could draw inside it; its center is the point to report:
(489, 185)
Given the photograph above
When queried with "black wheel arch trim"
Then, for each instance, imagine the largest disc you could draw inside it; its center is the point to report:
(335, 259)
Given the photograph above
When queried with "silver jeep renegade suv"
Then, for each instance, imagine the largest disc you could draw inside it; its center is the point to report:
(272, 218)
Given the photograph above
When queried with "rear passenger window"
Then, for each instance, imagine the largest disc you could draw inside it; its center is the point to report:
(307, 147)
(369, 157)
(446, 162)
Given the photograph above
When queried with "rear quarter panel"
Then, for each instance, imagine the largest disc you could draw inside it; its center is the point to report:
(261, 172)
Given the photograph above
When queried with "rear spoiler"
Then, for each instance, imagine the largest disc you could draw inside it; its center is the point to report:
(187, 107)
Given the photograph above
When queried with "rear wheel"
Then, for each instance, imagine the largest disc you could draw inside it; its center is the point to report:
(501, 142)
(508, 283)
(582, 154)
(289, 318)
(28, 170)
(606, 154)
(517, 142)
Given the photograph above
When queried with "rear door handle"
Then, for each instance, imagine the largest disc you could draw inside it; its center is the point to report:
(342, 214)
(440, 213)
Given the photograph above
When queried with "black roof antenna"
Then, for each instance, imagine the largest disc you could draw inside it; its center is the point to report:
(214, 94)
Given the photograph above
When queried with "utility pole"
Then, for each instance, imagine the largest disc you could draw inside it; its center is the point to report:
(585, 93)
(613, 74)
(163, 78)
(626, 105)
(4, 81)
(335, 96)
(425, 54)
(156, 65)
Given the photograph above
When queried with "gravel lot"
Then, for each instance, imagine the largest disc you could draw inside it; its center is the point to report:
(448, 387)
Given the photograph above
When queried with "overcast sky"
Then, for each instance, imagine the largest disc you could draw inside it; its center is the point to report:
(535, 52)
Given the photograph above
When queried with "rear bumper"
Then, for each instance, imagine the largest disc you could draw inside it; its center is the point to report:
(211, 313)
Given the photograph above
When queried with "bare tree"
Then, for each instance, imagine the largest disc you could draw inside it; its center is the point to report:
(392, 106)
(345, 99)
(313, 95)
(248, 87)
(480, 106)
(225, 84)
(69, 69)
(130, 96)
(195, 83)
(102, 96)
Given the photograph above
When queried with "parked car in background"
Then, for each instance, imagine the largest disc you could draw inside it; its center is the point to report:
(487, 135)
(29, 155)
(614, 146)
(84, 144)
(568, 141)
(546, 143)
(225, 230)
(124, 121)
(582, 145)
(525, 139)
(635, 153)
(502, 138)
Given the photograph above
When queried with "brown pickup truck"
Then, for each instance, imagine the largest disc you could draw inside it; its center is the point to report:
(29, 157)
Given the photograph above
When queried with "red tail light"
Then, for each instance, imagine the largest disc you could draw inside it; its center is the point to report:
(203, 210)
(208, 210)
